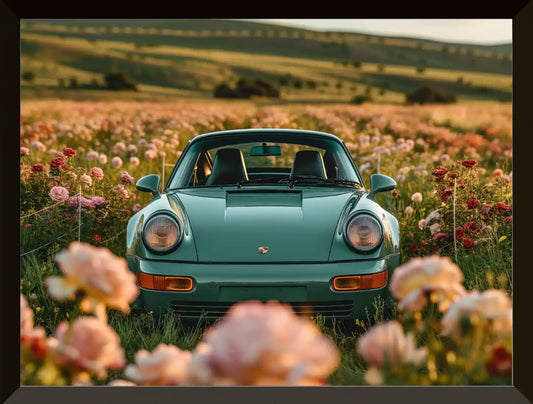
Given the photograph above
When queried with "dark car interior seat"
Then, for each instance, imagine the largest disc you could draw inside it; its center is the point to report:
(308, 163)
(228, 168)
(332, 169)
(202, 170)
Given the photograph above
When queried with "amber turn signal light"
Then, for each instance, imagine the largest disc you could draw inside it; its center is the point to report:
(360, 282)
(159, 282)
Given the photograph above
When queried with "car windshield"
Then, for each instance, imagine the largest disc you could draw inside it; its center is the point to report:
(262, 159)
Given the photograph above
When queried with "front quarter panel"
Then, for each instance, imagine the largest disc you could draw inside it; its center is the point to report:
(186, 251)
(391, 233)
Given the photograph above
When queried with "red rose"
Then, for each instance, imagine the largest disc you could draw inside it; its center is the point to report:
(500, 362)
(38, 348)
(67, 151)
(508, 219)
(57, 163)
(423, 242)
(501, 207)
(472, 227)
(472, 203)
(469, 163)
(439, 173)
(468, 243)
(97, 238)
(394, 193)
(453, 175)
(37, 167)
(459, 232)
(444, 195)
(413, 247)
(439, 236)
(411, 234)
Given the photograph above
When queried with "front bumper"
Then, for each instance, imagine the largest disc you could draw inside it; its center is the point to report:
(307, 287)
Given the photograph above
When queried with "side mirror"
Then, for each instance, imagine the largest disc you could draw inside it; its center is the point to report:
(381, 183)
(149, 183)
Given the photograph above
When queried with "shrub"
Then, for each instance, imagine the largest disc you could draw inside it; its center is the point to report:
(426, 94)
(246, 88)
(119, 81)
(28, 76)
(73, 82)
(361, 99)
(420, 69)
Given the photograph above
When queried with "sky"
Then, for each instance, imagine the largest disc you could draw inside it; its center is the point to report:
(478, 31)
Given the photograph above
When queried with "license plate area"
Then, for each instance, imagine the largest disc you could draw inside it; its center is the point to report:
(263, 293)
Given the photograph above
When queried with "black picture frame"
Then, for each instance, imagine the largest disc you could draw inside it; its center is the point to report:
(521, 12)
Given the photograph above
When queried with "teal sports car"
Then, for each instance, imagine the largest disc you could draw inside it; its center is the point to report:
(263, 214)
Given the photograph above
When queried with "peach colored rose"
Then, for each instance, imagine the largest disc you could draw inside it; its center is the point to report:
(134, 161)
(388, 340)
(494, 305)
(26, 316)
(86, 179)
(416, 197)
(104, 277)
(116, 162)
(88, 345)
(166, 365)
(120, 382)
(434, 276)
(263, 344)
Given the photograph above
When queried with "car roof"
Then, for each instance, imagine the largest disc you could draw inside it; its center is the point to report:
(267, 130)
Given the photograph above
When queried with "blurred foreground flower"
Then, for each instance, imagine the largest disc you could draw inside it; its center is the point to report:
(263, 344)
(386, 344)
(435, 277)
(104, 277)
(88, 346)
(492, 308)
(166, 365)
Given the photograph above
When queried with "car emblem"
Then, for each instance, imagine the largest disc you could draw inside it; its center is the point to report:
(263, 250)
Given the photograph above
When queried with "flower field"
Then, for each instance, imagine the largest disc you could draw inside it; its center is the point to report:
(453, 322)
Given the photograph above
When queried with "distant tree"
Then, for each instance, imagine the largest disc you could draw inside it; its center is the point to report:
(460, 80)
(382, 91)
(297, 83)
(223, 90)
(247, 88)
(429, 95)
(361, 99)
(356, 64)
(119, 81)
(339, 85)
(368, 90)
(420, 69)
(28, 76)
(381, 67)
(311, 84)
(73, 82)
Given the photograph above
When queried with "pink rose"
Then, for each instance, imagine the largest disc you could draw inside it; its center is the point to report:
(59, 194)
(263, 344)
(89, 345)
(494, 305)
(416, 197)
(438, 277)
(116, 162)
(166, 365)
(97, 173)
(96, 271)
(134, 161)
(389, 339)
(24, 151)
(126, 178)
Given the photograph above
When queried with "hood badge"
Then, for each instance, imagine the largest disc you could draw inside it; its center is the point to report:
(263, 250)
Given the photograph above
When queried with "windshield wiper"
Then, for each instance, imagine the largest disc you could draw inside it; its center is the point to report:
(338, 181)
(314, 180)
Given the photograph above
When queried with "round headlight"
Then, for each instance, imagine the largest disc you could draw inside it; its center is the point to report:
(364, 233)
(162, 233)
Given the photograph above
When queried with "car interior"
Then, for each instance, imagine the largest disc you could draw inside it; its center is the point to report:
(229, 167)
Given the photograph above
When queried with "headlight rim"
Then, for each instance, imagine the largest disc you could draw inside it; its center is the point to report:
(178, 223)
(347, 238)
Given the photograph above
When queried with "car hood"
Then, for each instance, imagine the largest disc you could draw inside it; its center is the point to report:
(296, 225)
